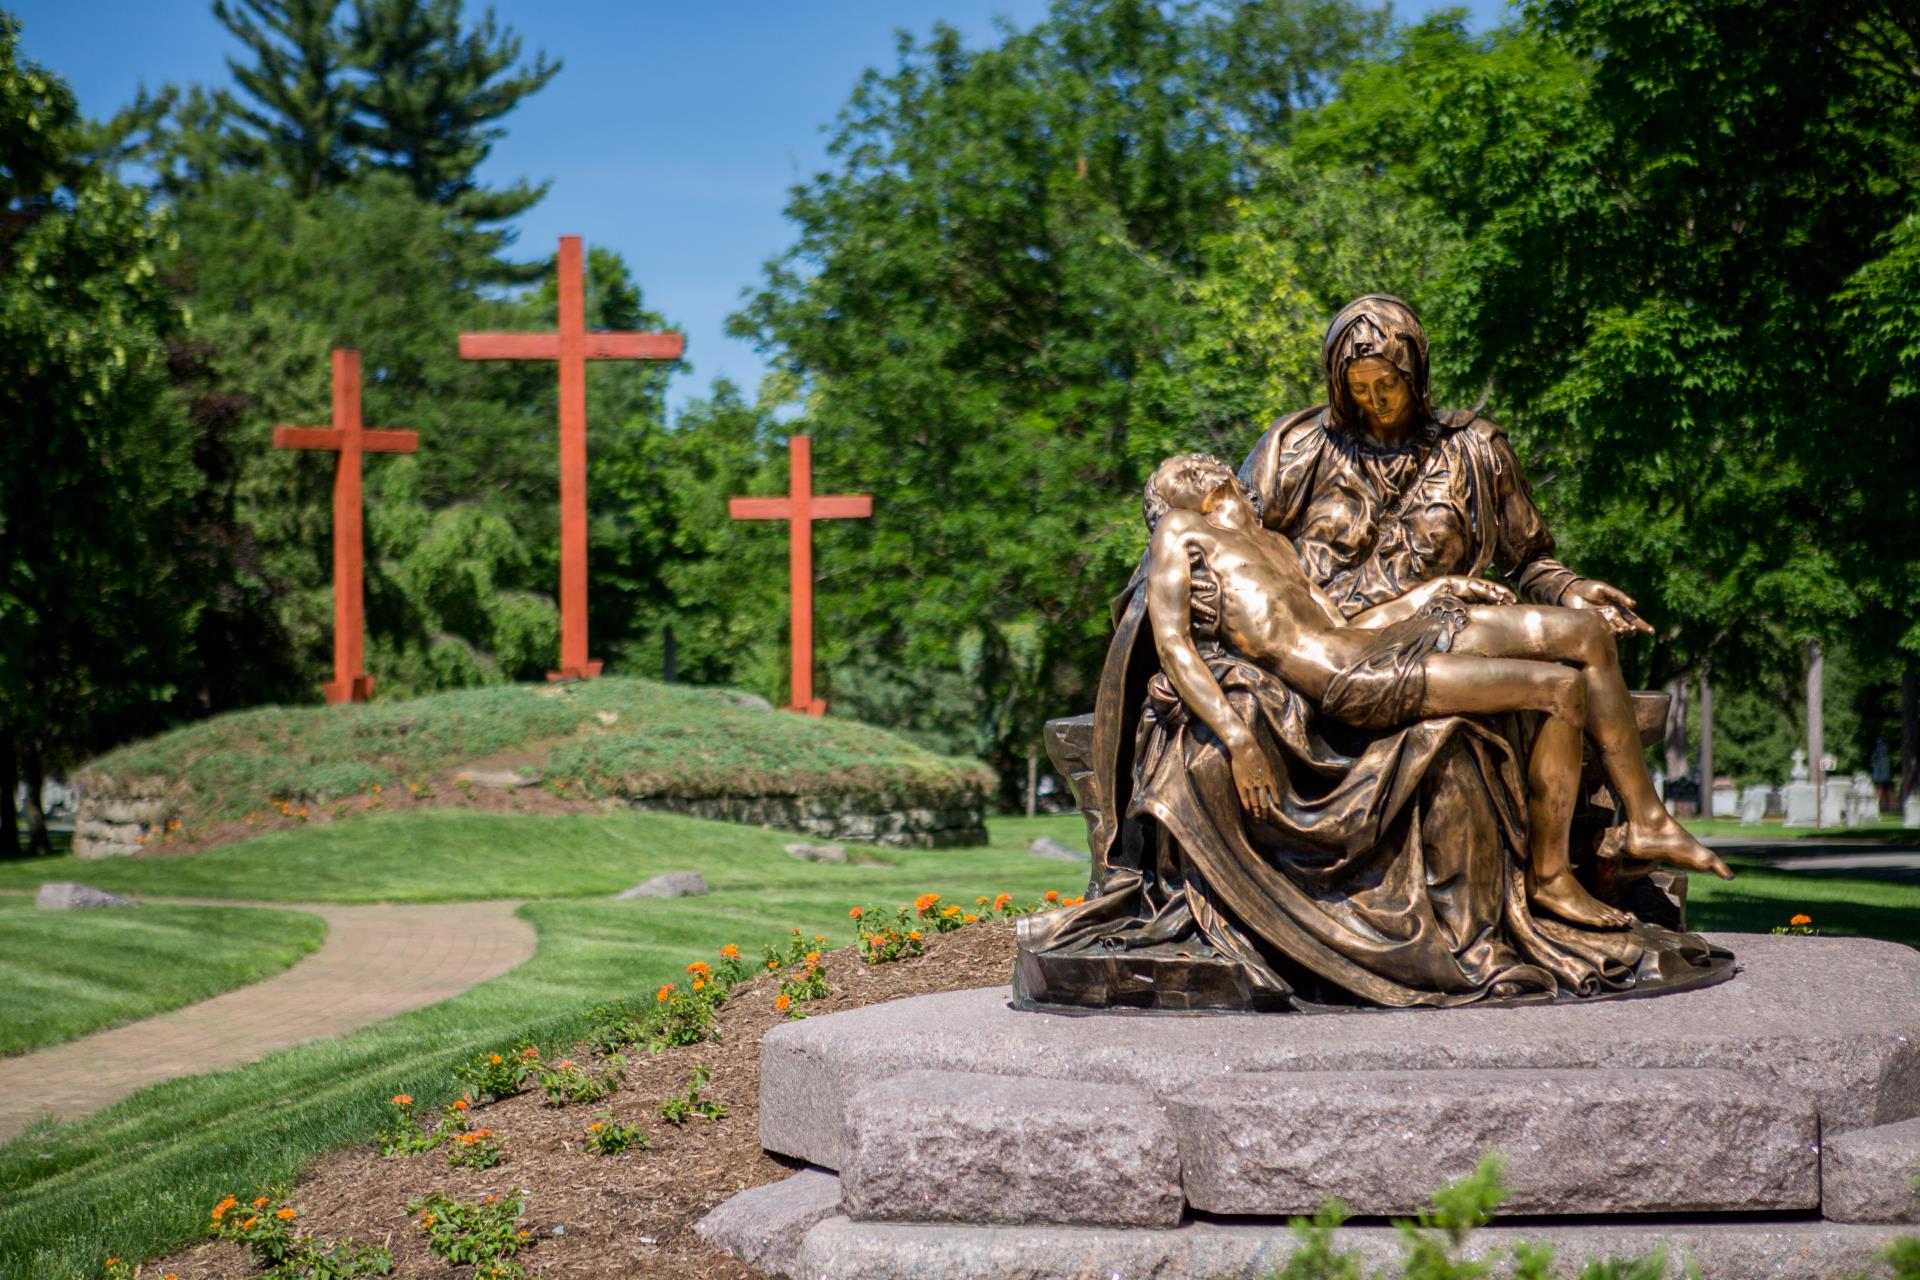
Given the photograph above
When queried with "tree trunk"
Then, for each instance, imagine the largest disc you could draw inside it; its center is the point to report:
(1817, 726)
(1706, 744)
(1676, 728)
(9, 813)
(1909, 734)
(1033, 781)
(33, 766)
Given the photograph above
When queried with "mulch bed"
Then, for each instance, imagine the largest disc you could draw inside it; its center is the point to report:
(627, 1215)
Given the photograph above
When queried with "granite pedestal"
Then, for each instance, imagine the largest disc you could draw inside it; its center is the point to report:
(1170, 1145)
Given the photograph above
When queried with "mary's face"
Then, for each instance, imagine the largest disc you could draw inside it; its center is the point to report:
(1384, 396)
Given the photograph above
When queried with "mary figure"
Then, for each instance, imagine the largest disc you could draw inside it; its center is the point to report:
(1391, 872)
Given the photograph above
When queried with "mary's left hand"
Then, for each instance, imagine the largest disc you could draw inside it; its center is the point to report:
(1614, 605)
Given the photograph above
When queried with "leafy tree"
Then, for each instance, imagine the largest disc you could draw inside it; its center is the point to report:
(1660, 204)
(95, 458)
(975, 316)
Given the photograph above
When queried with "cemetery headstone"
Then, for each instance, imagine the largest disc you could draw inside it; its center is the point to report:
(1863, 801)
(1910, 811)
(1753, 804)
(1726, 798)
(1802, 797)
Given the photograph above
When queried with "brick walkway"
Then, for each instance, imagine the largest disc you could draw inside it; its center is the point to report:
(376, 962)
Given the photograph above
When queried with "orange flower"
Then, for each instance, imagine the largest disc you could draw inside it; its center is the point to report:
(248, 1224)
(699, 984)
(529, 1052)
(491, 1200)
(982, 900)
(220, 1210)
(112, 1261)
(461, 1104)
(730, 952)
(495, 1059)
(951, 912)
(819, 937)
(1074, 902)
(524, 1235)
(1000, 902)
(969, 919)
(914, 936)
(287, 1214)
(1801, 920)
(700, 967)
(813, 957)
(856, 913)
(875, 942)
(402, 1099)
(261, 1202)
(924, 903)
(773, 964)
(781, 1001)
(1053, 895)
(566, 1064)
(594, 1127)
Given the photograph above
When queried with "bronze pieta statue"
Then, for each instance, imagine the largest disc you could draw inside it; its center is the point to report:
(1331, 763)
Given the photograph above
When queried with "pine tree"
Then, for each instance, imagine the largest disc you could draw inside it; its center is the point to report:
(433, 95)
(298, 78)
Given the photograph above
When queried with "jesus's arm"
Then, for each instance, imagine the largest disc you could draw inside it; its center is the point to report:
(1169, 586)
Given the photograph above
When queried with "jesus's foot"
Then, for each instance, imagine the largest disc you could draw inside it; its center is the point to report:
(1564, 896)
(1670, 843)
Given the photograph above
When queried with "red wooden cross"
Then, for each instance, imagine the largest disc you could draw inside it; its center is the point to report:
(349, 438)
(801, 509)
(572, 346)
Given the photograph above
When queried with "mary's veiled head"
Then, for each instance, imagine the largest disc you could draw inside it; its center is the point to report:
(1378, 327)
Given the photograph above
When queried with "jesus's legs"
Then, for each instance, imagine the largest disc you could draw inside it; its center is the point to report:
(1580, 638)
(1459, 684)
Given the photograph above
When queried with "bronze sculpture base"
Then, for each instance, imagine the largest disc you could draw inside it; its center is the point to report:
(1188, 979)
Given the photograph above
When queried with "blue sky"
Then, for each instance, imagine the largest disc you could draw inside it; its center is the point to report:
(671, 135)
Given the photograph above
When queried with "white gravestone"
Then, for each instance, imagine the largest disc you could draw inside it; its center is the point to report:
(1863, 801)
(1910, 811)
(1753, 804)
(1801, 797)
(1726, 799)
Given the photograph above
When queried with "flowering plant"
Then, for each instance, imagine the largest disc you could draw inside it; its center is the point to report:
(565, 1081)
(608, 1137)
(498, 1075)
(475, 1149)
(486, 1234)
(1800, 926)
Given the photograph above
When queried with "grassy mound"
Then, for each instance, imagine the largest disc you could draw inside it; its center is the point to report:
(604, 739)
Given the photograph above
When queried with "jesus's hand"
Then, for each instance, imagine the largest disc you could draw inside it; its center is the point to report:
(1253, 780)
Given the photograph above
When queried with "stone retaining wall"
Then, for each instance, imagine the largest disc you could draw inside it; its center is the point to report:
(110, 815)
(831, 819)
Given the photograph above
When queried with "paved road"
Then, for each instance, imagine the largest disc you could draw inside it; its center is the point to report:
(376, 962)
(1860, 859)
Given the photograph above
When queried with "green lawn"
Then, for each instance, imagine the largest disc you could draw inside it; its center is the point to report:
(65, 973)
(136, 1180)
(455, 854)
(1887, 829)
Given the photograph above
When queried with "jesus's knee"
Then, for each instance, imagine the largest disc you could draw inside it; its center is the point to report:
(1564, 694)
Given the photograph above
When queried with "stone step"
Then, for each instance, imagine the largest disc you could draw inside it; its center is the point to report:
(1872, 1175)
(841, 1249)
(933, 1146)
(792, 1229)
(1836, 1018)
(1576, 1142)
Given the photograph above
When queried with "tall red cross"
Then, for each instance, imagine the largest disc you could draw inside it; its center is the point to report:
(350, 439)
(572, 346)
(801, 509)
